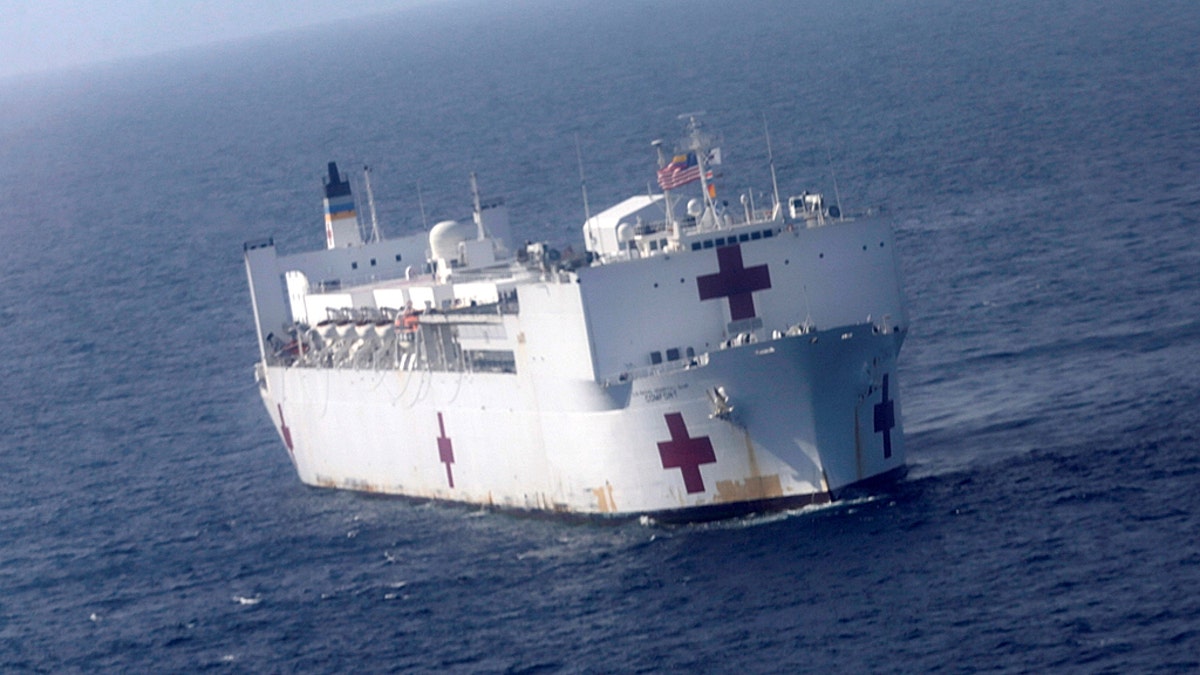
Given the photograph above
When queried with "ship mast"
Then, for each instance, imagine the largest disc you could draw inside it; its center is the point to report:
(371, 204)
(421, 204)
(771, 160)
(478, 207)
(587, 212)
(699, 143)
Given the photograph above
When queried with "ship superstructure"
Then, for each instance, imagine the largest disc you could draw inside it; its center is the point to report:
(696, 360)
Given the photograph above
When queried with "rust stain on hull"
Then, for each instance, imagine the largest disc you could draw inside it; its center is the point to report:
(604, 498)
(753, 487)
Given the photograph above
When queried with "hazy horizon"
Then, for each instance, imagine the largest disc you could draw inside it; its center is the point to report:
(50, 35)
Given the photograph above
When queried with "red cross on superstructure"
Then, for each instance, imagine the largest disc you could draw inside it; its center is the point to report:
(445, 450)
(686, 454)
(735, 282)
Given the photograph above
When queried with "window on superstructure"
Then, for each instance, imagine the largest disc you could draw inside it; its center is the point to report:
(397, 257)
(372, 262)
(353, 265)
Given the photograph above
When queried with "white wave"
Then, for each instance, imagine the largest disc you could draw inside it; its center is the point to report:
(757, 519)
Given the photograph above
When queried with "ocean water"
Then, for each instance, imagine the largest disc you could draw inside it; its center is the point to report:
(1040, 161)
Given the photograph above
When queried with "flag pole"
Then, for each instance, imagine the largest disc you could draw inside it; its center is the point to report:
(662, 162)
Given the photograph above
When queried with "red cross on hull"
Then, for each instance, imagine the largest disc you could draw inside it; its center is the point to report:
(885, 419)
(734, 281)
(445, 450)
(686, 454)
(286, 431)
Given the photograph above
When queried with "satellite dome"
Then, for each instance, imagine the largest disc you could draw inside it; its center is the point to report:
(445, 237)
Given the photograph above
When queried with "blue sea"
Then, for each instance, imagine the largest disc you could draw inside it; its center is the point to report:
(1039, 159)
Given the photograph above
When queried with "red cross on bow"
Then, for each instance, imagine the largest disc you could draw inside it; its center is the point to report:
(686, 454)
(885, 419)
(285, 430)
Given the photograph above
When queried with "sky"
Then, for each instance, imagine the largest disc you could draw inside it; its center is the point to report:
(42, 35)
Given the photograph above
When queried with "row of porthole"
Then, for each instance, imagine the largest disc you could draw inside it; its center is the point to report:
(727, 241)
(787, 261)
(354, 264)
(822, 255)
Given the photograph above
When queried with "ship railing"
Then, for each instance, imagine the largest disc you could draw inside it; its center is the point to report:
(727, 218)
(342, 283)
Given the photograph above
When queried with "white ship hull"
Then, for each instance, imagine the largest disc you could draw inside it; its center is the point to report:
(498, 440)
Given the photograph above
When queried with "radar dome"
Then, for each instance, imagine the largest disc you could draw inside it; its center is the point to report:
(445, 237)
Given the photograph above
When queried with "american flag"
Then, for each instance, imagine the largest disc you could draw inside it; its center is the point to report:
(682, 170)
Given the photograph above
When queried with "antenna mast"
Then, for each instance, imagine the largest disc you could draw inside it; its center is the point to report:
(478, 207)
(771, 161)
(421, 204)
(587, 212)
(371, 204)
